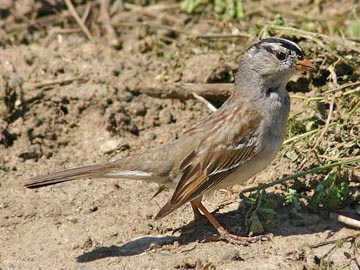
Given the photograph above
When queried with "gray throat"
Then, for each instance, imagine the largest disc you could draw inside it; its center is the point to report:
(269, 96)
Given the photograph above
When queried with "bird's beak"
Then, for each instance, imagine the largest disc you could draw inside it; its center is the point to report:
(304, 65)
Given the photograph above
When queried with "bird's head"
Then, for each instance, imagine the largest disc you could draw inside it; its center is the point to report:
(276, 59)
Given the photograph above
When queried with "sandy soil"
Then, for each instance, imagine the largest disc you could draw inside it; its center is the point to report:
(95, 112)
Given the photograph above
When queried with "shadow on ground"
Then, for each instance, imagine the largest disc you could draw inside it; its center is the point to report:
(289, 222)
(130, 248)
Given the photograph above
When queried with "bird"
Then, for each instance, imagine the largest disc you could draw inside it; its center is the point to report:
(234, 143)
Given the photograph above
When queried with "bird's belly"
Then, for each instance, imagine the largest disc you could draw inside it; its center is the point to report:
(253, 166)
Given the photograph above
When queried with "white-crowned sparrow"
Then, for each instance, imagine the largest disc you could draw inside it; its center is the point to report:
(229, 147)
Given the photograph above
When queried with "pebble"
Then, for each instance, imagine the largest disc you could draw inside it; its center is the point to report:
(128, 96)
(165, 116)
(113, 145)
(150, 136)
(93, 208)
(72, 219)
(138, 108)
(231, 255)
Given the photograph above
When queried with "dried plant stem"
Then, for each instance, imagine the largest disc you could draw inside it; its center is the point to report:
(154, 25)
(344, 239)
(183, 91)
(224, 36)
(105, 20)
(78, 19)
(207, 103)
(331, 109)
(316, 38)
(300, 136)
(86, 12)
(346, 220)
(31, 86)
(303, 173)
(344, 86)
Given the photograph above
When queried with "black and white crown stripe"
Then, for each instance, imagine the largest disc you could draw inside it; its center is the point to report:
(284, 43)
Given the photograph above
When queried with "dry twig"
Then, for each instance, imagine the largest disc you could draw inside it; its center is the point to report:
(78, 19)
(224, 36)
(207, 103)
(346, 220)
(31, 86)
(344, 239)
(219, 91)
(105, 20)
(328, 120)
(353, 160)
(86, 13)
(344, 86)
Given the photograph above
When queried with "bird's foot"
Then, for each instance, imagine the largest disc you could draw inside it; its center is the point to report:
(224, 235)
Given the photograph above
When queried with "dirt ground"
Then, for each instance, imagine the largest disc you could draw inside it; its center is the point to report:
(68, 101)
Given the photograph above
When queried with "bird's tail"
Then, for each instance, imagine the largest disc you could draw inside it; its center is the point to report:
(93, 171)
(118, 169)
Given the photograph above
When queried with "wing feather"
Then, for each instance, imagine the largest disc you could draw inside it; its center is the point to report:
(217, 156)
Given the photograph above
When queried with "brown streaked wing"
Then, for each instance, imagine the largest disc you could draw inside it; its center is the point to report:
(217, 156)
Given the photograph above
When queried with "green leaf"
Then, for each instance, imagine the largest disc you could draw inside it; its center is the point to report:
(358, 244)
(187, 6)
(255, 224)
(355, 30)
(230, 8)
(329, 194)
(240, 13)
(219, 6)
(292, 155)
(339, 243)
(293, 197)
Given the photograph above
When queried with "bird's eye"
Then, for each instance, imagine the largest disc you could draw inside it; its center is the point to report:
(280, 55)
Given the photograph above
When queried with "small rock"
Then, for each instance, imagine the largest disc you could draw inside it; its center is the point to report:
(138, 109)
(165, 117)
(56, 99)
(17, 126)
(231, 255)
(109, 146)
(150, 136)
(93, 208)
(133, 129)
(32, 151)
(72, 219)
(128, 96)
(114, 145)
(88, 244)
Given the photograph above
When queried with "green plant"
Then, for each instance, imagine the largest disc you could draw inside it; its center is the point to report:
(226, 8)
(261, 216)
(330, 193)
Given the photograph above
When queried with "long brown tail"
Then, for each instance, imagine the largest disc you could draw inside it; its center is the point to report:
(93, 171)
